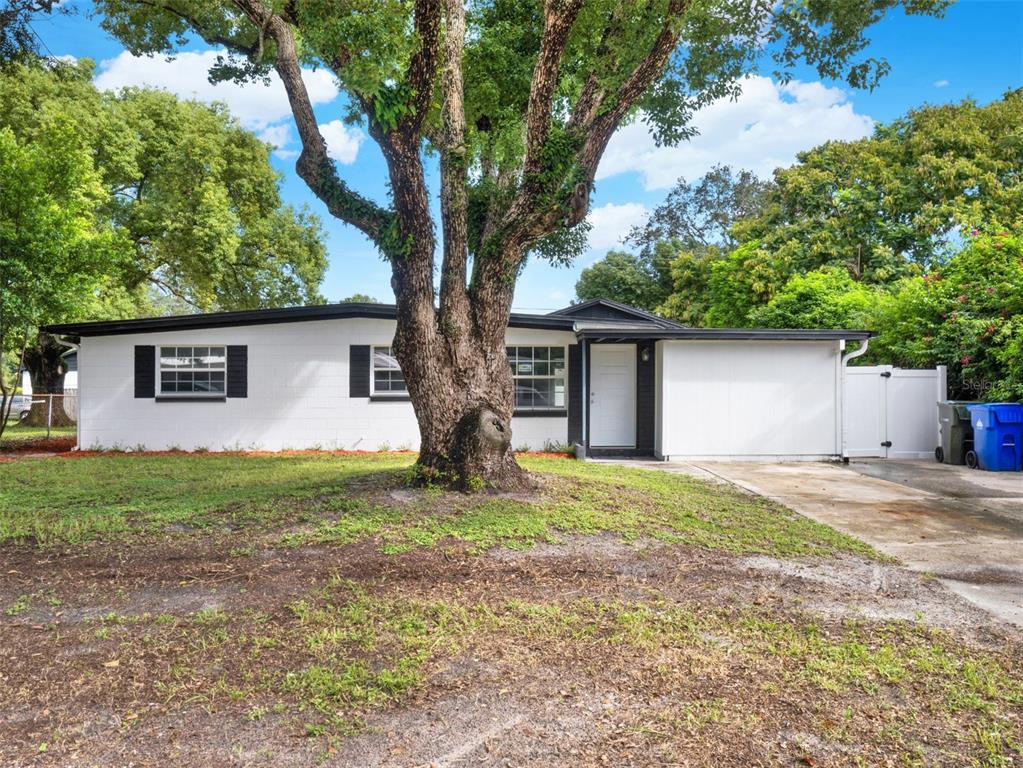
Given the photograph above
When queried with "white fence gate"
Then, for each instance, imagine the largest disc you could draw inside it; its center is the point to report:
(891, 413)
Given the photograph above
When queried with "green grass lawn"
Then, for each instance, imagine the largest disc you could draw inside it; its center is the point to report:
(286, 598)
(343, 499)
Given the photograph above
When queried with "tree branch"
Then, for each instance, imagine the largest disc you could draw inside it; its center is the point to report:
(596, 121)
(422, 68)
(314, 165)
(453, 162)
(559, 16)
(193, 22)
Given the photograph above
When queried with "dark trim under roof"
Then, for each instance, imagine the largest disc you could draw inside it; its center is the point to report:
(270, 316)
(645, 326)
(724, 334)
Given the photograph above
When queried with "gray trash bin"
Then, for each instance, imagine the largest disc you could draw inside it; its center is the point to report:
(956, 431)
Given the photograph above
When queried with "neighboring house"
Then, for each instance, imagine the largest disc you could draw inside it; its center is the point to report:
(69, 364)
(606, 377)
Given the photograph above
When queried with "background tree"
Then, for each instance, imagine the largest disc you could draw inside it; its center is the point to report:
(52, 253)
(890, 205)
(632, 279)
(693, 223)
(701, 215)
(192, 191)
(188, 189)
(967, 314)
(519, 100)
(824, 298)
(360, 298)
(880, 209)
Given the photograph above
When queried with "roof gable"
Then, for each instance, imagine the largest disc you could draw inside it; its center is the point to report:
(606, 309)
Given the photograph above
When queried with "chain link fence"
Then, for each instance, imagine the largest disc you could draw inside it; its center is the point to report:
(41, 417)
(52, 410)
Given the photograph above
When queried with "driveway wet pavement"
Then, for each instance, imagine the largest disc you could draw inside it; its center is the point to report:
(963, 526)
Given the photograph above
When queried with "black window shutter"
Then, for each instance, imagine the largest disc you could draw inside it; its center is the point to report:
(237, 371)
(358, 370)
(575, 394)
(646, 398)
(145, 371)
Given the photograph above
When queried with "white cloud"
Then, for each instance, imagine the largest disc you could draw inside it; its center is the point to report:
(941, 83)
(258, 106)
(278, 135)
(342, 142)
(761, 130)
(611, 223)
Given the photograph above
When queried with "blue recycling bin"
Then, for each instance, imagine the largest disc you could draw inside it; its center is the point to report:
(998, 436)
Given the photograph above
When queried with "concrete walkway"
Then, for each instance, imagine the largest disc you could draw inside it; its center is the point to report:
(963, 526)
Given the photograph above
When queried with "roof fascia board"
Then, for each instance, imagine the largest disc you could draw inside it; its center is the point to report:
(270, 317)
(728, 334)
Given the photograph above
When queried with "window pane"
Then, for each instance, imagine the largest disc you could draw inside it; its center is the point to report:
(383, 359)
(523, 394)
(217, 357)
(544, 393)
(541, 369)
(558, 353)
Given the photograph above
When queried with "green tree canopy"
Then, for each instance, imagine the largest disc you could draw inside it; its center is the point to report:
(192, 191)
(642, 280)
(824, 298)
(701, 214)
(54, 250)
(360, 298)
(693, 223)
(967, 315)
(890, 205)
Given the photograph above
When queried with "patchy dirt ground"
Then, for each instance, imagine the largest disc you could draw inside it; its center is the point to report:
(156, 653)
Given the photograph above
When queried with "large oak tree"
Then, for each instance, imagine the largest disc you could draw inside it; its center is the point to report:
(519, 99)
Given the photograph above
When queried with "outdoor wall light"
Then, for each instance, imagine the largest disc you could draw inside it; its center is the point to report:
(644, 354)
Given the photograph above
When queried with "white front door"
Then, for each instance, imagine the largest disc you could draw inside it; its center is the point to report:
(613, 395)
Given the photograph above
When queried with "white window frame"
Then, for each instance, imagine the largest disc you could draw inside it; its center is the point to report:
(196, 395)
(373, 391)
(564, 377)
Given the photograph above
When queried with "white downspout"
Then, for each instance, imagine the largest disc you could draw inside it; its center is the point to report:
(841, 404)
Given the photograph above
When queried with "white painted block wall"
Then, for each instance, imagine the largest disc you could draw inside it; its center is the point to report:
(734, 399)
(297, 394)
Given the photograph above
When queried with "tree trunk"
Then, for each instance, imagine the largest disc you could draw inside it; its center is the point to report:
(466, 436)
(44, 364)
(462, 391)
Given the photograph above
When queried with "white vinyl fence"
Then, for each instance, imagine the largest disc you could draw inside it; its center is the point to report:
(891, 413)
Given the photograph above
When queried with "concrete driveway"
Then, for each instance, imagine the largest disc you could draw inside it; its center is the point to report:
(963, 526)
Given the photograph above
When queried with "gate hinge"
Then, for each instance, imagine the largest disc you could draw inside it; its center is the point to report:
(887, 444)
(886, 375)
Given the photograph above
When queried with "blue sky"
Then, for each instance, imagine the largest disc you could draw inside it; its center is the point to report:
(975, 51)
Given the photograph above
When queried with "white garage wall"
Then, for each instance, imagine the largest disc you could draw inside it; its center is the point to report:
(734, 399)
(297, 394)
